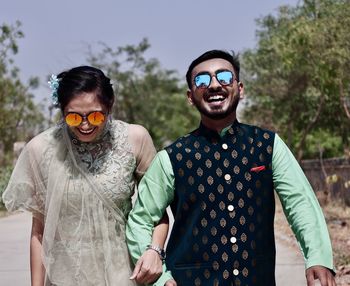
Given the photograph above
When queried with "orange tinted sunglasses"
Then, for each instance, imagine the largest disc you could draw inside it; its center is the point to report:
(94, 118)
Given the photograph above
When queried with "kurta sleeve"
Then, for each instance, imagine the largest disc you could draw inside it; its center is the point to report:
(142, 147)
(156, 192)
(301, 207)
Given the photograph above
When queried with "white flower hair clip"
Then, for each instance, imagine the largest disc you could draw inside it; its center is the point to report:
(54, 83)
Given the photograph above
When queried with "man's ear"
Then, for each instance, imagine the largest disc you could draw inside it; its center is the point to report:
(189, 97)
(241, 90)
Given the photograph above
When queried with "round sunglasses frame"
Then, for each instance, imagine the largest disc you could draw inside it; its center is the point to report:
(85, 117)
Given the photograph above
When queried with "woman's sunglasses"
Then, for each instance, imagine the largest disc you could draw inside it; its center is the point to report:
(203, 80)
(94, 118)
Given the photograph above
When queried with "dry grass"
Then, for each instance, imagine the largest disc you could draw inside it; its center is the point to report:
(338, 222)
(3, 213)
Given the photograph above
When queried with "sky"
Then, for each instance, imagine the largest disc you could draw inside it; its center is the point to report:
(58, 33)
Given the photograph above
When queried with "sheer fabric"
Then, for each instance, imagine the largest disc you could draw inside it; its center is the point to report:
(82, 192)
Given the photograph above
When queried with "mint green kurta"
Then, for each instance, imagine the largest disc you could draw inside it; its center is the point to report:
(300, 205)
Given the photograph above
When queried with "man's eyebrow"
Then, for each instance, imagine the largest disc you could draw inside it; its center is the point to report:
(202, 72)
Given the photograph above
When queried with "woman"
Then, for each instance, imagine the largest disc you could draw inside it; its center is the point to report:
(77, 179)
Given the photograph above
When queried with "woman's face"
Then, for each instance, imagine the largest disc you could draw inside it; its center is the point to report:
(83, 104)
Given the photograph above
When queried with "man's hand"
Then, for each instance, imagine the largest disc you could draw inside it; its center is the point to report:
(148, 268)
(323, 274)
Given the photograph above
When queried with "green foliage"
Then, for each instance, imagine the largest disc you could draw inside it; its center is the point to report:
(146, 93)
(298, 77)
(8, 45)
(5, 174)
(322, 142)
(20, 117)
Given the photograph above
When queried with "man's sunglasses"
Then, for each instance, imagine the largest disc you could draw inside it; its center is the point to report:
(224, 77)
(94, 118)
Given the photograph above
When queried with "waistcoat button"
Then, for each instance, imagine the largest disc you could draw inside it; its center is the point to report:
(233, 239)
(227, 177)
(230, 208)
(235, 272)
(224, 146)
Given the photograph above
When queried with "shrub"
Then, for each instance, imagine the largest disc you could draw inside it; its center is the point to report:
(5, 173)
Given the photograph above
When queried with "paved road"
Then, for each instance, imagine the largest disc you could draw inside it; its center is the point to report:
(290, 269)
(14, 255)
(14, 250)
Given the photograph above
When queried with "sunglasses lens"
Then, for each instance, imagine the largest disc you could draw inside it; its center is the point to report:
(96, 118)
(73, 119)
(202, 80)
(224, 77)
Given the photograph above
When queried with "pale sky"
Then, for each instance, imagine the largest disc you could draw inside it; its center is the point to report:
(57, 33)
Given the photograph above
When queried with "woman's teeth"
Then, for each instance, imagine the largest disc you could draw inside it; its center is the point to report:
(87, 132)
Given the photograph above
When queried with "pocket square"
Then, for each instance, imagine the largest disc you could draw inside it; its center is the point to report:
(258, 169)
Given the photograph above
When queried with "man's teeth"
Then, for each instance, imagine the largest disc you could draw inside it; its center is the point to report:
(216, 98)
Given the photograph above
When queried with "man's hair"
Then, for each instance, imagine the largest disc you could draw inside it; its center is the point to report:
(214, 54)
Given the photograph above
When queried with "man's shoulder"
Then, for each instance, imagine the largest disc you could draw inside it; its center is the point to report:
(251, 128)
(180, 140)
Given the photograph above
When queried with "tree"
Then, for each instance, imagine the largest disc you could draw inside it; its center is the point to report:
(20, 116)
(298, 76)
(146, 93)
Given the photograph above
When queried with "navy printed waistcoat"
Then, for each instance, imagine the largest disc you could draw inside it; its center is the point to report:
(223, 208)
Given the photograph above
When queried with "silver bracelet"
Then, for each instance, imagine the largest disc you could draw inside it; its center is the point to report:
(157, 249)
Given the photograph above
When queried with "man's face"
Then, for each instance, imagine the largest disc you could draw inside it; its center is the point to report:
(217, 101)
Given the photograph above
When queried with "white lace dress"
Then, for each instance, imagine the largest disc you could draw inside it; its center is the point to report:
(82, 192)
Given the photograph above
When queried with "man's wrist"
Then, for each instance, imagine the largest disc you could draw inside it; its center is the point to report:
(157, 249)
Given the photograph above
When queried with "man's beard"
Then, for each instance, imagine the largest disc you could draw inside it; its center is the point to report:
(218, 114)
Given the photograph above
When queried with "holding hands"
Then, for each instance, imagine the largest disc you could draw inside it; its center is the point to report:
(148, 268)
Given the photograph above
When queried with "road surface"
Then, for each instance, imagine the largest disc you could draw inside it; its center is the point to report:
(14, 255)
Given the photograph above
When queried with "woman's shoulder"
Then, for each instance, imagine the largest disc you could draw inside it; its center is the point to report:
(136, 135)
(133, 130)
(45, 139)
(138, 129)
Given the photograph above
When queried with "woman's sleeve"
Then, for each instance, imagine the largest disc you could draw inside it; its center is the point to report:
(142, 147)
(25, 190)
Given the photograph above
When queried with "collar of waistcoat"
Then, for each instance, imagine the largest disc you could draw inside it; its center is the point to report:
(213, 135)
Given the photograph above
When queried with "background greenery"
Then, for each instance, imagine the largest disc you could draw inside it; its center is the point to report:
(297, 82)
(298, 77)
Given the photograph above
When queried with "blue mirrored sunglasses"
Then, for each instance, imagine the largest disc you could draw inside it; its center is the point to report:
(224, 77)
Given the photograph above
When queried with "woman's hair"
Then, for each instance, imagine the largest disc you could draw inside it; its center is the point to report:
(213, 54)
(84, 79)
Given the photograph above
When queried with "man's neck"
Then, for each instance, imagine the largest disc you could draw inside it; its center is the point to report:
(218, 124)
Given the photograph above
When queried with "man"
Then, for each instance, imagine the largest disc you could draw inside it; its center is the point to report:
(219, 181)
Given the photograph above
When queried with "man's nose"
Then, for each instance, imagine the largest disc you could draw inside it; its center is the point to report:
(214, 83)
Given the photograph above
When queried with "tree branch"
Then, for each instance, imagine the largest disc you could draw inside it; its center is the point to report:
(343, 99)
